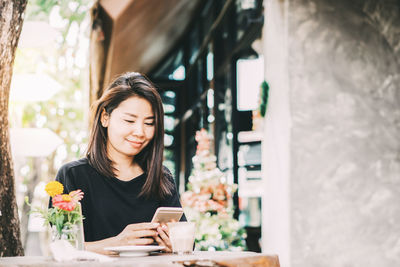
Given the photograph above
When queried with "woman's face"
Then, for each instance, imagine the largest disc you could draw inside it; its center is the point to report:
(130, 127)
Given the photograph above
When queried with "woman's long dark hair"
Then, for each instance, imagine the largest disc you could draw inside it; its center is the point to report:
(150, 158)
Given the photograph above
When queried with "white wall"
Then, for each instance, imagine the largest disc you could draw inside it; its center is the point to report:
(276, 142)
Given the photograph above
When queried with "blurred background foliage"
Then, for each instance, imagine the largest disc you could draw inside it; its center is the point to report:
(65, 60)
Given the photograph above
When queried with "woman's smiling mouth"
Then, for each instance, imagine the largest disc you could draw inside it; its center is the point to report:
(135, 144)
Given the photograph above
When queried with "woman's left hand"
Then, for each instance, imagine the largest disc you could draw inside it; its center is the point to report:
(163, 239)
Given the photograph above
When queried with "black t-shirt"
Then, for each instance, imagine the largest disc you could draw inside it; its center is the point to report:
(110, 204)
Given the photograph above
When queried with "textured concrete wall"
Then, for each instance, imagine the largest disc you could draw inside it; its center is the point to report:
(344, 94)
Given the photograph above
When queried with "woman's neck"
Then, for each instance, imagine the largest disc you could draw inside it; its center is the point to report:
(127, 174)
(126, 167)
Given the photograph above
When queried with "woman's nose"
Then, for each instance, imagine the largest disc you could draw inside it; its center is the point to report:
(138, 129)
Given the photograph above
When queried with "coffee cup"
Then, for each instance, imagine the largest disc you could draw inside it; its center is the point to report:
(181, 236)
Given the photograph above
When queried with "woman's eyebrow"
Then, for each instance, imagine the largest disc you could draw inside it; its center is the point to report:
(130, 114)
(135, 116)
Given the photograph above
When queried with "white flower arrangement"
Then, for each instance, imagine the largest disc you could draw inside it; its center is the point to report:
(208, 202)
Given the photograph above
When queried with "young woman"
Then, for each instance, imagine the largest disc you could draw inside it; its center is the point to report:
(122, 176)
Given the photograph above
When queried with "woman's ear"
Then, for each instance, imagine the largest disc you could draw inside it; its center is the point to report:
(104, 118)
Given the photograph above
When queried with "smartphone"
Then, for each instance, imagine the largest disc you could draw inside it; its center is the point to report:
(167, 214)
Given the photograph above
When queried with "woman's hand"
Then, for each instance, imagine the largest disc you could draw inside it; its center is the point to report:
(133, 234)
(163, 238)
(138, 234)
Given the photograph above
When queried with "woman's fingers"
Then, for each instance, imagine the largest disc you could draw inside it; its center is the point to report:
(163, 236)
(160, 242)
(141, 241)
(141, 226)
(143, 233)
(165, 228)
(133, 232)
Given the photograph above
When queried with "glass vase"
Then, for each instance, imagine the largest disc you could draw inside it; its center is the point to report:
(71, 234)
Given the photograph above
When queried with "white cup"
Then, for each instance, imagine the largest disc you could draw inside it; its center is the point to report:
(181, 235)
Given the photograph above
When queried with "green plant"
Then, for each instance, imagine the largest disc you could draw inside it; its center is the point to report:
(66, 210)
(264, 98)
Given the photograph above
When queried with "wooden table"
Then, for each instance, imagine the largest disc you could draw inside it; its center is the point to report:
(226, 259)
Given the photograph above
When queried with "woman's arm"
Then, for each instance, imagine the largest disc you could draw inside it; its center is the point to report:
(133, 234)
(98, 246)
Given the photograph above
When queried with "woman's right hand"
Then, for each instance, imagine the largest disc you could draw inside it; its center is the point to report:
(133, 234)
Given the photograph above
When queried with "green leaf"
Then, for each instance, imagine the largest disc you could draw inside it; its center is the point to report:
(264, 98)
(60, 222)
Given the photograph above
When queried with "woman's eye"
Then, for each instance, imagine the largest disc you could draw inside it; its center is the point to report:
(128, 121)
(149, 123)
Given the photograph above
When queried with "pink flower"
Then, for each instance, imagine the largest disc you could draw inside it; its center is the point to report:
(76, 195)
(64, 202)
(67, 201)
(203, 141)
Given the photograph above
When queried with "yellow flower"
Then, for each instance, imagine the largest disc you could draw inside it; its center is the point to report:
(54, 188)
(66, 198)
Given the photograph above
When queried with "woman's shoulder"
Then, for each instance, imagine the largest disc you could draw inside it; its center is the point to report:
(167, 173)
(81, 164)
(169, 179)
(76, 163)
(73, 174)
